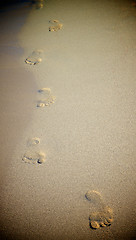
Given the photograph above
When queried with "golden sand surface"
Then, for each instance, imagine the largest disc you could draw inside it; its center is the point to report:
(72, 171)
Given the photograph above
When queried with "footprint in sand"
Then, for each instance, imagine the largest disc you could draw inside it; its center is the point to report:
(103, 216)
(47, 97)
(56, 26)
(34, 58)
(33, 154)
(34, 157)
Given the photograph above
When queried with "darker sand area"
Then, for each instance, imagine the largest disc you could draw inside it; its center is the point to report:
(16, 96)
(17, 91)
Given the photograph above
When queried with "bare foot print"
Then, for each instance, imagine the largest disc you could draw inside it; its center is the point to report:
(34, 157)
(57, 26)
(46, 102)
(103, 216)
(47, 99)
(34, 58)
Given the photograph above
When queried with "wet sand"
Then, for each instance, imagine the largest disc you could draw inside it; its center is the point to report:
(87, 134)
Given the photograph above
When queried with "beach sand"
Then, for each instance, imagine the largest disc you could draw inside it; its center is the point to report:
(85, 73)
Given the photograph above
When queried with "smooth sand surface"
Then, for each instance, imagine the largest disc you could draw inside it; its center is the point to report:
(17, 94)
(87, 134)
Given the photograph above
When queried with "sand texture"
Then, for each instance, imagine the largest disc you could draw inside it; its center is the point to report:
(70, 173)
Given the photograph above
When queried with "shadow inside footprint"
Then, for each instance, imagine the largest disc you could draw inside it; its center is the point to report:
(93, 196)
(34, 58)
(103, 216)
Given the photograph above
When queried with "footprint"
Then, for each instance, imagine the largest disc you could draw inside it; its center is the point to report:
(34, 157)
(33, 154)
(48, 98)
(46, 102)
(57, 26)
(34, 58)
(103, 216)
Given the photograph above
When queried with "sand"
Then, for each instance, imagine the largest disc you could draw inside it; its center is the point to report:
(86, 131)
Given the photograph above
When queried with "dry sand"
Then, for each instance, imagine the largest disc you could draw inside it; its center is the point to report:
(87, 134)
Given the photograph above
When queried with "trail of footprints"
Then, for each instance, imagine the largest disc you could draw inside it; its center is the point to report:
(36, 56)
(103, 216)
(45, 99)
